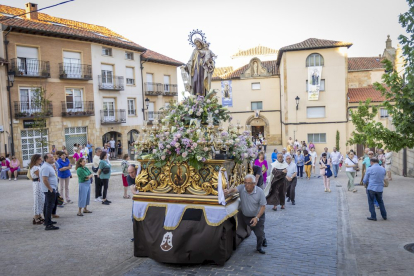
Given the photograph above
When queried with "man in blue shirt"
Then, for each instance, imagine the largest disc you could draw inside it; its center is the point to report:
(90, 155)
(274, 155)
(374, 178)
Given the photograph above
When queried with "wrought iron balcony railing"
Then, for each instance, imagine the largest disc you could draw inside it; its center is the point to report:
(29, 67)
(155, 89)
(113, 116)
(75, 71)
(32, 110)
(78, 109)
(111, 83)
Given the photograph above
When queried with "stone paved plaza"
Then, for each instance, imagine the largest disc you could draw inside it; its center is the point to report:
(323, 234)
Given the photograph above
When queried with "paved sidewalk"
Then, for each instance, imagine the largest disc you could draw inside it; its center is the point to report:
(379, 244)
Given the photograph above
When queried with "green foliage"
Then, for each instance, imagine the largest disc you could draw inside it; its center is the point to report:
(399, 94)
(337, 140)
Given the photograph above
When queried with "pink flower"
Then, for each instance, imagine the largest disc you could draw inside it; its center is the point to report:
(205, 148)
(178, 135)
(168, 146)
(194, 145)
(163, 157)
(185, 154)
(177, 145)
(154, 151)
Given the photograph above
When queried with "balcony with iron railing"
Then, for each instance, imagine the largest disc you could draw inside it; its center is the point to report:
(78, 109)
(72, 71)
(28, 67)
(111, 83)
(155, 89)
(151, 115)
(113, 116)
(32, 110)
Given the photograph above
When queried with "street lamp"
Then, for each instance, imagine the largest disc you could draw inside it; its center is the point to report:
(147, 102)
(297, 102)
(10, 76)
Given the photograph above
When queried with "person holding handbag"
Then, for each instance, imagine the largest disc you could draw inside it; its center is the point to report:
(351, 165)
(38, 195)
(325, 171)
(104, 173)
(85, 180)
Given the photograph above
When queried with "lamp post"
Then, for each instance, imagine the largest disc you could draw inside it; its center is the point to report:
(297, 102)
(10, 83)
(147, 102)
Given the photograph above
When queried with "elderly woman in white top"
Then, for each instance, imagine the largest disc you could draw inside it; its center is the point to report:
(388, 161)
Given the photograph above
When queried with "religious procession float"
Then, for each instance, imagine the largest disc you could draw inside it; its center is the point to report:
(187, 160)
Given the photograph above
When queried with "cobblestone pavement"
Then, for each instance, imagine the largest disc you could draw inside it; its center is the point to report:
(302, 241)
(323, 234)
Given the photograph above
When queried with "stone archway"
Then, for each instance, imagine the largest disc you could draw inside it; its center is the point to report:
(260, 122)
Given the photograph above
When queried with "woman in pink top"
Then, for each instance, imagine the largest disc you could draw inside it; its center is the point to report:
(5, 167)
(14, 168)
(77, 155)
(262, 164)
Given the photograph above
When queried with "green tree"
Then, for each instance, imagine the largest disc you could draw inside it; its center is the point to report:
(41, 104)
(398, 90)
(337, 140)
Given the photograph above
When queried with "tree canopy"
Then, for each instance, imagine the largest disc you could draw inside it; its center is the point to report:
(398, 90)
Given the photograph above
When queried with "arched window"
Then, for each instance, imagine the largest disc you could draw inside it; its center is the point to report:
(314, 60)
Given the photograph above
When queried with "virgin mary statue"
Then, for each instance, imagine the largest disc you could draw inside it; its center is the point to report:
(200, 68)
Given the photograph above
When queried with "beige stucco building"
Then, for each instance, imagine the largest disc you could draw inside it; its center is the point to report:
(93, 78)
(278, 89)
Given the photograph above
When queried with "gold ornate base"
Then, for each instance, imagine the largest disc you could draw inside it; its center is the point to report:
(182, 180)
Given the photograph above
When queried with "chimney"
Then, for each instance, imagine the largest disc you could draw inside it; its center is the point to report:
(31, 11)
(388, 43)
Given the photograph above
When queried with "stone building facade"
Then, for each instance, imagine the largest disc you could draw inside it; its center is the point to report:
(276, 102)
(92, 77)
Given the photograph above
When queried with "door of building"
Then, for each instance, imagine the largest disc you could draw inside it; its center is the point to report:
(109, 109)
(32, 142)
(256, 130)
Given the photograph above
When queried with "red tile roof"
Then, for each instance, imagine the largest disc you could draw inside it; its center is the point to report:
(53, 26)
(363, 93)
(312, 43)
(256, 51)
(364, 63)
(271, 66)
(66, 29)
(219, 71)
(152, 56)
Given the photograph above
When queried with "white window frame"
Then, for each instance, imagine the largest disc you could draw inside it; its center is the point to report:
(315, 59)
(77, 104)
(317, 138)
(383, 112)
(106, 51)
(131, 103)
(28, 106)
(129, 55)
(309, 108)
(256, 86)
(321, 87)
(257, 105)
(130, 81)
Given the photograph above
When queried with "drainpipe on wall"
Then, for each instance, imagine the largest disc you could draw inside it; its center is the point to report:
(142, 83)
(6, 43)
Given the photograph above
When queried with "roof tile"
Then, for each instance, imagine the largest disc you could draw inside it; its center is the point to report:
(153, 56)
(364, 63)
(271, 66)
(255, 51)
(364, 93)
